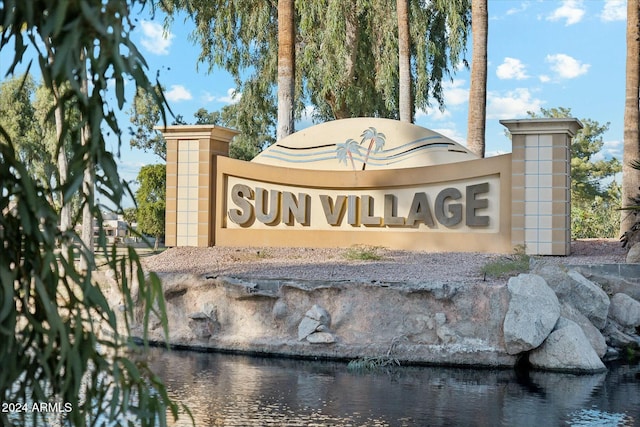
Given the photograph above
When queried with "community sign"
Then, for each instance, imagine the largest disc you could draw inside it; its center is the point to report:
(371, 182)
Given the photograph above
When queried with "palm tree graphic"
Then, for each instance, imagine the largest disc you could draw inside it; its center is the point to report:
(376, 142)
(347, 149)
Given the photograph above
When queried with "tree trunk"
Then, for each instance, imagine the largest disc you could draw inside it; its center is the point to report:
(286, 67)
(63, 163)
(88, 183)
(478, 92)
(404, 62)
(630, 176)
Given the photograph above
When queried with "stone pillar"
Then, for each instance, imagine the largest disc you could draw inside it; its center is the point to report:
(191, 180)
(541, 184)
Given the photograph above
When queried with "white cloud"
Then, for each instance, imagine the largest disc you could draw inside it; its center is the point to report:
(454, 93)
(571, 10)
(566, 67)
(178, 93)
(451, 133)
(207, 97)
(614, 10)
(512, 104)
(521, 8)
(154, 38)
(232, 97)
(609, 149)
(511, 68)
(544, 78)
(432, 113)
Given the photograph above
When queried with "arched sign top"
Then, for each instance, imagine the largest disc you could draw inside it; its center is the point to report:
(363, 144)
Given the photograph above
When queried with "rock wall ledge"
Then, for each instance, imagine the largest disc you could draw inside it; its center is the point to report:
(554, 318)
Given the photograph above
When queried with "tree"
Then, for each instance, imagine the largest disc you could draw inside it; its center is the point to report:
(405, 104)
(477, 115)
(240, 37)
(632, 235)
(253, 137)
(130, 215)
(18, 119)
(151, 197)
(346, 150)
(52, 323)
(350, 61)
(631, 176)
(286, 67)
(376, 142)
(25, 113)
(60, 148)
(255, 132)
(347, 61)
(87, 262)
(145, 115)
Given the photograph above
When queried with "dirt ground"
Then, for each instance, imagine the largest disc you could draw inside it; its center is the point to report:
(333, 264)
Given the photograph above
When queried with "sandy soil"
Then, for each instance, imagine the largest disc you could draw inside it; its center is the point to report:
(332, 264)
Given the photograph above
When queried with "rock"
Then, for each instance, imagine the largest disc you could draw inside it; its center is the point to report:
(625, 311)
(198, 316)
(320, 314)
(439, 290)
(612, 284)
(581, 293)
(321, 338)
(201, 325)
(306, 327)
(315, 319)
(445, 334)
(612, 354)
(633, 256)
(617, 338)
(279, 310)
(566, 348)
(592, 333)
(533, 312)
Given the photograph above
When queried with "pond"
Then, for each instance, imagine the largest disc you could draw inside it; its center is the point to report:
(232, 390)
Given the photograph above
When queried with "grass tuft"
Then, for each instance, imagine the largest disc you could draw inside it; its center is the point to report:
(363, 253)
(508, 266)
(370, 364)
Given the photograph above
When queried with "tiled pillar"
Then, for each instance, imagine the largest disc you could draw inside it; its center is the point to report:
(190, 182)
(541, 184)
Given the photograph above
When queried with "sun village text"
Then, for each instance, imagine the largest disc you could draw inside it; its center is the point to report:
(449, 207)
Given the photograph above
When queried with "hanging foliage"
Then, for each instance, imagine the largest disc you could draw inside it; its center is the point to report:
(62, 344)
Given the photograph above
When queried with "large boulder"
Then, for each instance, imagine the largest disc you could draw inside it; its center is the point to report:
(633, 256)
(566, 349)
(579, 292)
(533, 312)
(593, 334)
(614, 284)
(617, 338)
(625, 311)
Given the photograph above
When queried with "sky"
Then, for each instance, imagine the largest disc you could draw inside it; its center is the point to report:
(540, 54)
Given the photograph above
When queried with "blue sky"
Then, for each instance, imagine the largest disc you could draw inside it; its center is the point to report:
(541, 54)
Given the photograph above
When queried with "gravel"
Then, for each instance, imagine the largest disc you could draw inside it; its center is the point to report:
(332, 264)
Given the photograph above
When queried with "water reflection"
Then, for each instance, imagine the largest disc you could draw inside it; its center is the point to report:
(225, 390)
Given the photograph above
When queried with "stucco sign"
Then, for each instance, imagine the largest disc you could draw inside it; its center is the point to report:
(369, 181)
